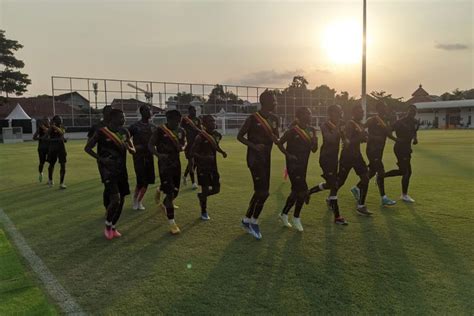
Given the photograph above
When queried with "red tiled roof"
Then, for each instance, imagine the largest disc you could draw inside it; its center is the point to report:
(420, 95)
(131, 106)
(35, 107)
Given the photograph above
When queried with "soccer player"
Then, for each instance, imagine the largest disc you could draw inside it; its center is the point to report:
(405, 129)
(192, 126)
(378, 128)
(41, 135)
(166, 142)
(329, 159)
(143, 162)
(113, 141)
(351, 157)
(261, 129)
(301, 140)
(57, 150)
(102, 123)
(204, 150)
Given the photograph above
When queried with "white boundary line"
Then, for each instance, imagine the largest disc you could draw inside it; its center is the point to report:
(52, 285)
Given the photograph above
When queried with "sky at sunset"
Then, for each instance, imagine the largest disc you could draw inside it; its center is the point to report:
(261, 43)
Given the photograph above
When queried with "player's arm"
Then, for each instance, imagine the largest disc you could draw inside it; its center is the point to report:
(243, 131)
(91, 143)
(219, 149)
(129, 143)
(415, 138)
(152, 143)
(195, 149)
(182, 140)
(36, 135)
(282, 141)
(314, 141)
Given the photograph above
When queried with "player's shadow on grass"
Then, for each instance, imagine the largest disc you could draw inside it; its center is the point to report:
(395, 280)
(452, 263)
(445, 162)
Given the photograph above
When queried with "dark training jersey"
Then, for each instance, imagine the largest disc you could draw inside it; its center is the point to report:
(112, 145)
(206, 145)
(378, 129)
(331, 141)
(355, 135)
(43, 141)
(262, 130)
(56, 138)
(190, 126)
(141, 133)
(300, 142)
(169, 142)
(405, 129)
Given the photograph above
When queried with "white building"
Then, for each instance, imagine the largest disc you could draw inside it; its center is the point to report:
(446, 114)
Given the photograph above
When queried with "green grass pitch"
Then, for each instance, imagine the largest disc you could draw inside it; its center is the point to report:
(407, 259)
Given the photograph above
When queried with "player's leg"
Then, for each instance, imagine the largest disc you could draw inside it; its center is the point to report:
(62, 171)
(114, 203)
(52, 157)
(290, 202)
(191, 173)
(406, 170)
(261, 194)
(42, 159)
(300, 198)
(362, 171)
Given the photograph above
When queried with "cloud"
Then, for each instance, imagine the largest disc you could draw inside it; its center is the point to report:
(273, 77)
(451, 47)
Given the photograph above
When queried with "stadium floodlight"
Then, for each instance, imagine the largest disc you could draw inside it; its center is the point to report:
(95, 87)
(364, 60)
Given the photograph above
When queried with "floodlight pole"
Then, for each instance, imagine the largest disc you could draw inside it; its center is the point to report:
(364, 60)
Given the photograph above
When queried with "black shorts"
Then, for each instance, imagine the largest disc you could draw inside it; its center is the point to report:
(208, 178)
(375, 154)
(347, 162)
(57, 155)
(188, 151)
(329, 168)
(261, 177)
(403, 154)
(298, 180)
(170, 180)
(117, 185)
(43, 154)
(144, 169)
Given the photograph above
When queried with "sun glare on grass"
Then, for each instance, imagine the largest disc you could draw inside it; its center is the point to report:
(342, 42)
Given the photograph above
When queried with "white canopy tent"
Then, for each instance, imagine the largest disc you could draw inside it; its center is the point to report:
(18, 114)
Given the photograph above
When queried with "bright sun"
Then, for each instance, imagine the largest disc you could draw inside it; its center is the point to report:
(342, 42)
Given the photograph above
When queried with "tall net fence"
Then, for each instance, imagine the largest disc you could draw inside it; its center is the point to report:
(79, 100)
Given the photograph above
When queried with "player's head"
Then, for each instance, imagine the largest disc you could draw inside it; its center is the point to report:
(357, 112)
(57, 120)
(334, 112)
(303, 115)
(268, 101)
(173, 117)
(381, 107)
(145, 111)
(44, 121)
(209, 122)
(116, 117)
(106, 113)
(192, 111)
(411, 112)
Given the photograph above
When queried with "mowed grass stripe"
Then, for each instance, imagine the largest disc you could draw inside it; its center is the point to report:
(18, 292)
(405, 259)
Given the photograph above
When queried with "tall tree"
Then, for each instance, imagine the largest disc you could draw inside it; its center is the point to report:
(12, 81)
(299, 82)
